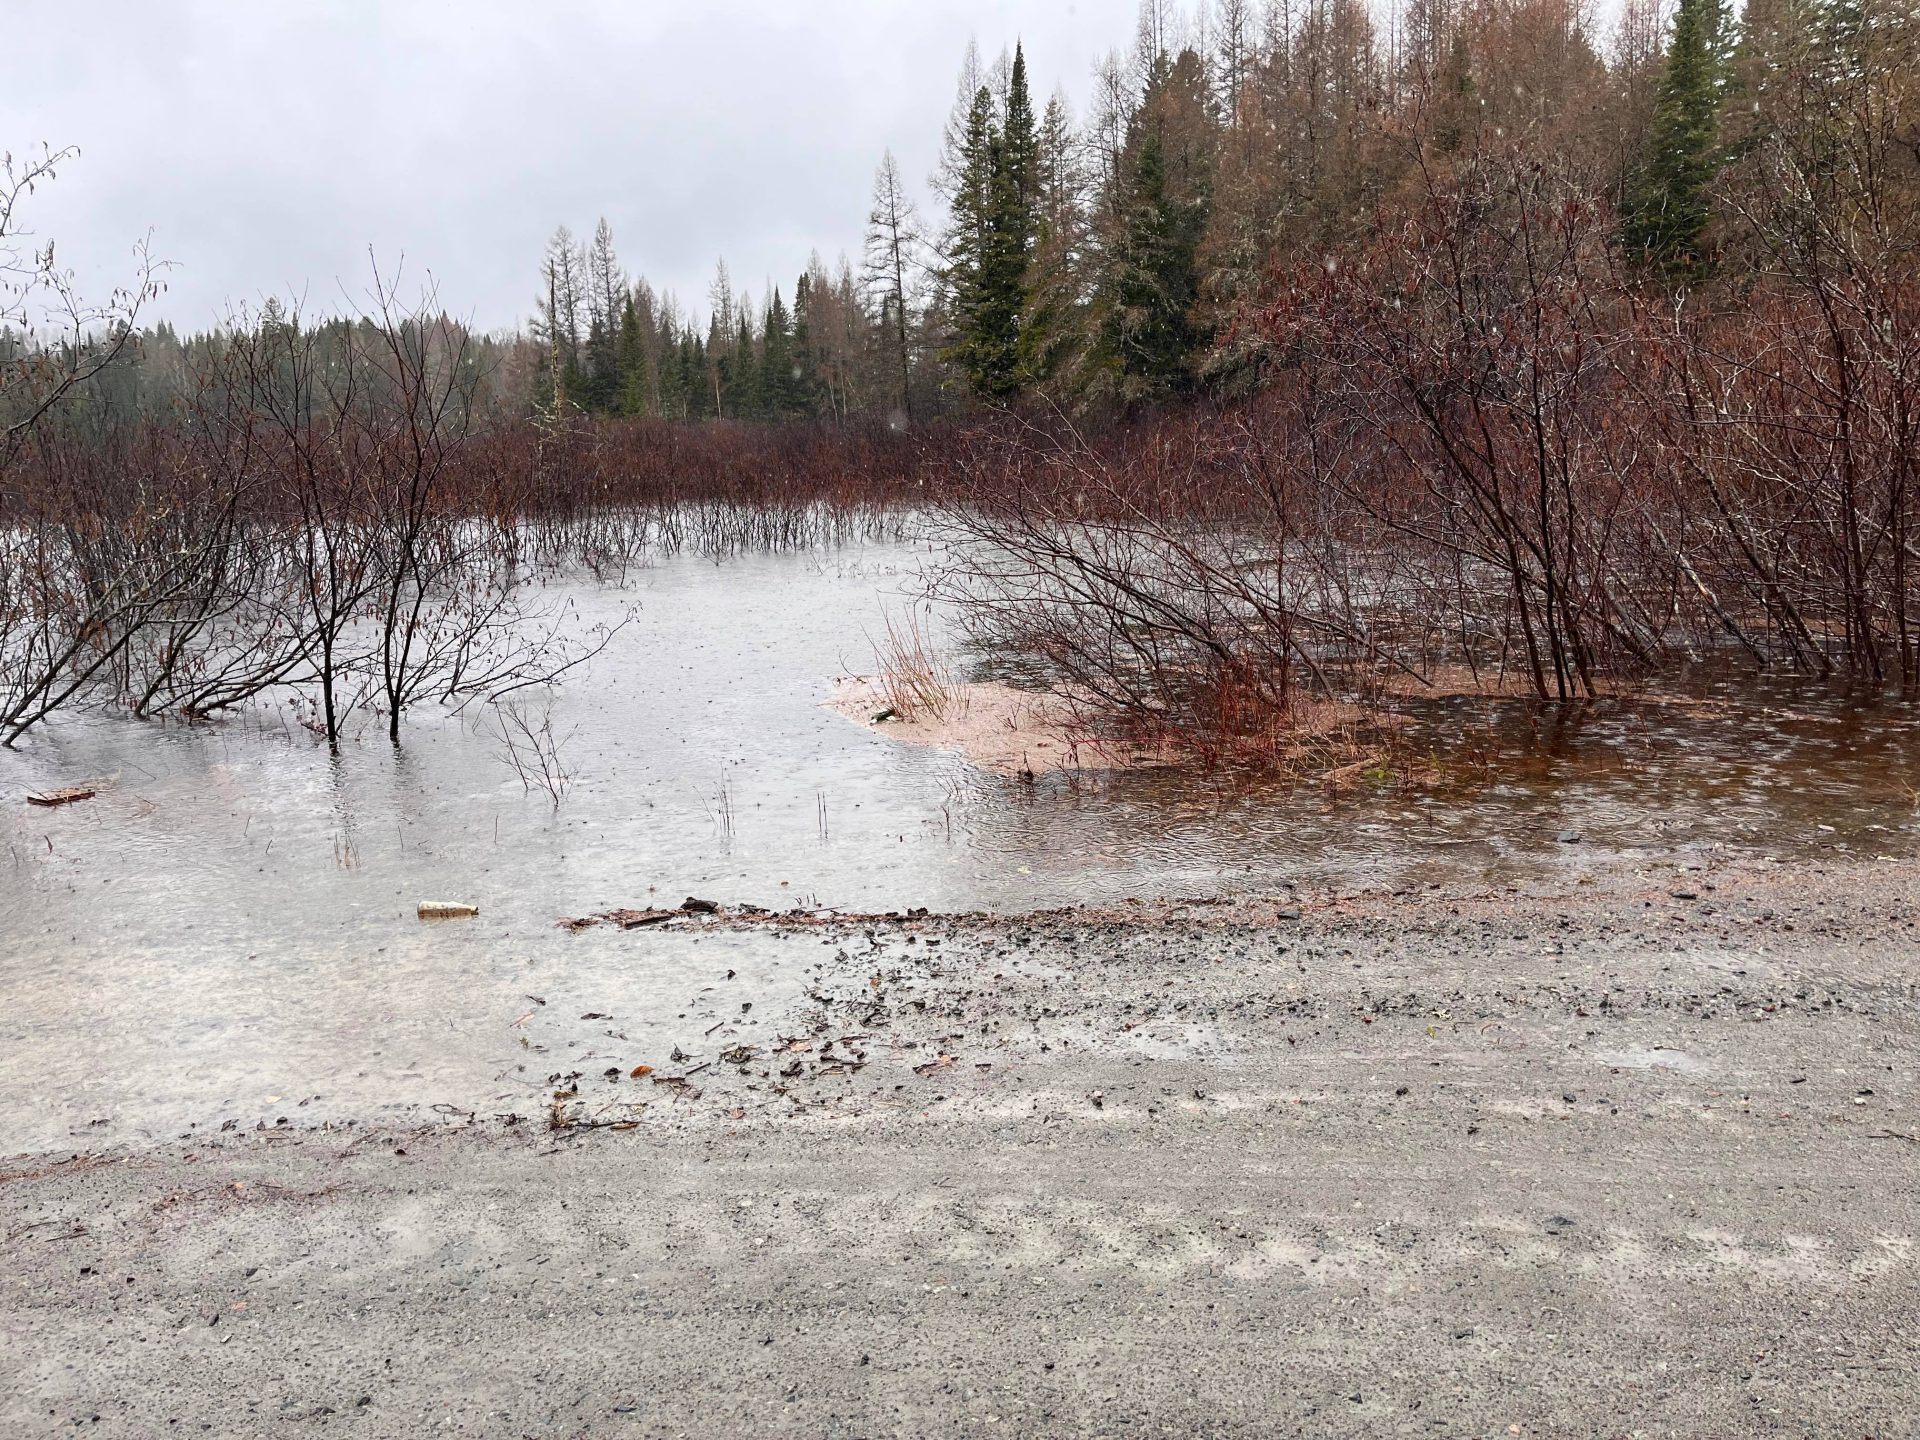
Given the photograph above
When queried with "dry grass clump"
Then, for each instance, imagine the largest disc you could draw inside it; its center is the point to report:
(917, 682)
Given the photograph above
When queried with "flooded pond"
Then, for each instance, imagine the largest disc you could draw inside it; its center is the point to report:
(228, 928)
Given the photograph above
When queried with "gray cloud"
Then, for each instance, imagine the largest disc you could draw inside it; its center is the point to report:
(268, 145)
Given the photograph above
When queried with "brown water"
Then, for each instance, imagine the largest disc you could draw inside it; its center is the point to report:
(229, 929)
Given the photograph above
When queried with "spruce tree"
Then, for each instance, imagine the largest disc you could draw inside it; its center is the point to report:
(599, 387)
(992, 239)
(777, 386)
(967, 238)
(671, 366)
(740, 380)
(717, 368)
(632, 362)
(1020, 139)
(1153, 279)
(1000, 297)
(695, 386)
(1050, 324)
(806, 400)
(1667, 207)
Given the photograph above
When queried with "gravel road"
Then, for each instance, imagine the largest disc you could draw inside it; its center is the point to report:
(1635, 1160)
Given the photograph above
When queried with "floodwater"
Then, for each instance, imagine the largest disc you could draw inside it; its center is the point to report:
(227, 932)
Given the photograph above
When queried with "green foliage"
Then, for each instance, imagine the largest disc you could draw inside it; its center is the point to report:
(739, 377)
(1093, 263)
(1020, 144)
(975, 348)
(598, 386)
(1150, 287)
(631, 363)
(1153, 282)
(992, 239)
(1051, 324)
(780, 391)
(1668, 204)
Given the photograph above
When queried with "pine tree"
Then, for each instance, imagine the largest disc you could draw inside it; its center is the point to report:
(968, 241)
(598, 387)
(1667, 208)
(701, 399)
(1149, 330)
(670, 365)
(999, 298)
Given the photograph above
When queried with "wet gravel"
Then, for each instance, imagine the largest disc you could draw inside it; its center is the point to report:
(1618, 1160)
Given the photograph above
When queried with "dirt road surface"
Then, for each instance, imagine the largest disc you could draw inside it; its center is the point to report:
(1641, 1161)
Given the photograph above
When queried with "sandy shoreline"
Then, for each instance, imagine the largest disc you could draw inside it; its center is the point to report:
(997, 727)
(1026, 734)
(1636, 1158)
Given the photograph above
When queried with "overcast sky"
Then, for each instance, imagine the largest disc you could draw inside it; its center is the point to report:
(267, 143)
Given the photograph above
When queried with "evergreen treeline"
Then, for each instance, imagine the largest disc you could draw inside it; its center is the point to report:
(1114, 259)
(1107, 259)
(608, 345)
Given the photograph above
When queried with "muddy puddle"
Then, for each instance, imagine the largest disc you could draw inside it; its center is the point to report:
(227, 928)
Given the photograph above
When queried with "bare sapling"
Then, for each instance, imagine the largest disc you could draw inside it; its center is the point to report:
(528, 744)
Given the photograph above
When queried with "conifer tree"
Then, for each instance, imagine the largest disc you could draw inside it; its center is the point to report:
(1149, 332)
(672, 366)
(892, 250)
(1000, 296)
(967, 238)
(1049, 326)
(740, 381)
(632, 362)
(598, 389)
(777, 388)
(956, 140)
(1667, 208)
(1153, 280)
(992, 238)
(806, 365)
(700, 401)
(1021, 141)
(606, 287)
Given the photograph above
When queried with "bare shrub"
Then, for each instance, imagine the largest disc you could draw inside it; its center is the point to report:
(1164, 584)
(524, 734)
